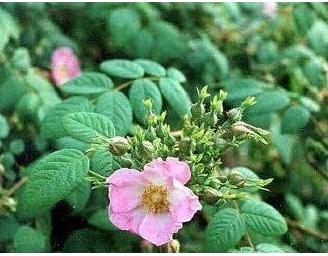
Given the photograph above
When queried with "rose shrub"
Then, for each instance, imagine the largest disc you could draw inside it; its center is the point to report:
(163, 127)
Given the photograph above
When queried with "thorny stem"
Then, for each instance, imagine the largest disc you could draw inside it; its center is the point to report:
(124, 85)
(294, 224)
(13, 189)
(247, 235)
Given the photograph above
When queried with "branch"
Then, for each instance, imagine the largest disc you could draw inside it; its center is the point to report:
(13, 189)
(124, 85)
(294, 224)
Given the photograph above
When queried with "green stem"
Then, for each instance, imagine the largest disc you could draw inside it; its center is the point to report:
(247, 234)
(14, 188)
(97, 175)
(124, 85)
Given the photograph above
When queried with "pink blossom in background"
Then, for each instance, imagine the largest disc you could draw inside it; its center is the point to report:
(152, 203)
(64, 65)
(270, 9)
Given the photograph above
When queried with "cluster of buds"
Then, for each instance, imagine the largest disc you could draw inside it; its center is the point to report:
(231, 185)
(204, 136)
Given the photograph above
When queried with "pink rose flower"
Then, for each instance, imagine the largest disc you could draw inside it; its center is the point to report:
(153, 203)
(64, 65)
(270, 9)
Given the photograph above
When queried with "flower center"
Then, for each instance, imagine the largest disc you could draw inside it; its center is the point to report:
(63, 73)
(155, 199)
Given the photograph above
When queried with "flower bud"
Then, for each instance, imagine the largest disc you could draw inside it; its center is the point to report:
(118, 145)
(210, 119)
(7, 204)
(146, 246)
(147, 148)
(211, 195)
(236, 178)
(185, 145)
(197, 109)
(173, 246)
(222, 179)
(234, 114)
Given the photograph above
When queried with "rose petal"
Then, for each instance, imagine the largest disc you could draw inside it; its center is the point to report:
(171, 167)
(64, 65)
(183, 203)
(126, 197)
(158, 228)
(129, 221)
(124, 176)
(179, 170)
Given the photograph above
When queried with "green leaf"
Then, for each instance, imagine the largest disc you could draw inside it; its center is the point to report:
(243, 250)
(8, 227)
(122, 68)
(69, 142)
(268, 248)
(52, 179)
(124, 24)
(310, 104)
(102, 162)
(44, 225)
(4, 127)
(8, 160)
(87, 240)
(263, 218)
(88, 83)
(314, 72)
(224, 230)
(176, 74)
(143, 43)
(294, 119)
(8, 27)
(116, 106)
(150, 67)
(284, 143)
(80, 196)
(318, 37)
(44, 90)
(175, 95)
(141, 90)
(269, 101)
(100, 220)
(28, 240)
(168, 43)
(268, 53)
(240, 88)
(21, 59)
(303, 18)
(294, 206)
(28, 106)
(17, 146)
(52, 125)
(11, 86)
(88, 127)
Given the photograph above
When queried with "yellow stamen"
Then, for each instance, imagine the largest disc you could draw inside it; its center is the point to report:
(155, 199)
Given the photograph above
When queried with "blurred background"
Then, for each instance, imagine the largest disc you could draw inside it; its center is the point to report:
(276, 52)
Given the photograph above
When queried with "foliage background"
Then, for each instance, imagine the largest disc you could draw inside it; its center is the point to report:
(282, 60)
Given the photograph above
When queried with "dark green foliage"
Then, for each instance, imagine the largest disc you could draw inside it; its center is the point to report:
(131, 52)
